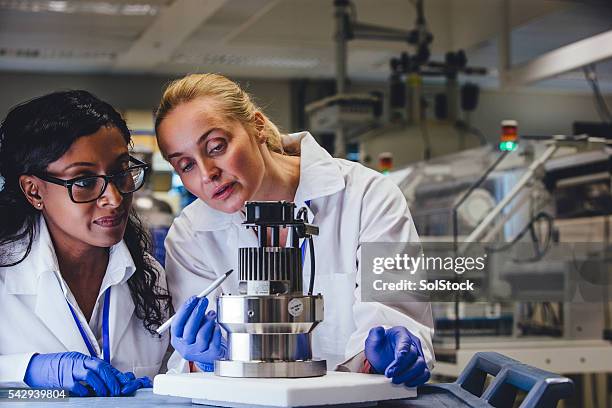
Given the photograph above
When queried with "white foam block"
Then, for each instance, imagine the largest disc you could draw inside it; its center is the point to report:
(331, 389)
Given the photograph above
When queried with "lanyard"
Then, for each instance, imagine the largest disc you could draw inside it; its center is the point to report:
(305, 241)
(105, 340)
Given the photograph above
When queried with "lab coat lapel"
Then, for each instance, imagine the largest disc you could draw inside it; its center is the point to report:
(120, 314)
(205, 218)
(320, 173)
(120, 268)
(36, 275)
(52, 309)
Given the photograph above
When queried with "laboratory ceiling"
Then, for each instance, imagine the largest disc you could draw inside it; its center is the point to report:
(280, 38)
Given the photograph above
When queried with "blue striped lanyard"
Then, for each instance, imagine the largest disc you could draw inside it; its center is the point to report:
(105, 340)
(305, 241)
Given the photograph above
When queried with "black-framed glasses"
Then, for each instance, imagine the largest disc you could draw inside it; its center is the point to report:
(86, 189)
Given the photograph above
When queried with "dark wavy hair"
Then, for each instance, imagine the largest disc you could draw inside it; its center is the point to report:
(37, 133)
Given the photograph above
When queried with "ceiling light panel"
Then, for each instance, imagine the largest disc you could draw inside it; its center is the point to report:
(109, 7)
(103, 33)
(246, 61)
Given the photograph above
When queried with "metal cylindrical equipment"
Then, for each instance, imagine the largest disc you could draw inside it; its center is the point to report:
(270, 270)
(270, 322)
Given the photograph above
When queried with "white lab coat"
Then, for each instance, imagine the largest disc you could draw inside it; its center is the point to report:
(350, 204)
(35, 317)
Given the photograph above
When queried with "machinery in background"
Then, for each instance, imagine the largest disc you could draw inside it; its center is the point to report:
(581, 186)
(359, 118)
(270, 321)
(549, 191)
(433, 189)
(156, 215)
(353, 113)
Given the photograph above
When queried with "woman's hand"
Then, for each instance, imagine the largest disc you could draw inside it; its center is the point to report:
(397, 354)
(196, 335)
(129, 382)
(69, 371)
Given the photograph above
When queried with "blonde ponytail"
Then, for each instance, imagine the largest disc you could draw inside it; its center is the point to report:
(235, 103)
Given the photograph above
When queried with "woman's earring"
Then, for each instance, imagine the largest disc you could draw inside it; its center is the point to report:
(39, 205)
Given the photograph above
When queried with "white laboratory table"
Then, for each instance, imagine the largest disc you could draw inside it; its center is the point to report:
(146, 398)
(541, 388)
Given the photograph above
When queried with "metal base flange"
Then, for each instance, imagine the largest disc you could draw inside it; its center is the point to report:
(265, 369)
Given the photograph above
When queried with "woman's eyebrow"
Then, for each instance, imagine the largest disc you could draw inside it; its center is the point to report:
(79, 164)
(122, 156)
(201, 140)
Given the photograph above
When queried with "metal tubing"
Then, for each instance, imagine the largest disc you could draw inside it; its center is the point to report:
(264, 369)
(484, 224)
(341, 40)
(470, 190)
(341, 57)
(269, 314)
(269, 347)
(507, 216)
(262, 236)
(504, 44)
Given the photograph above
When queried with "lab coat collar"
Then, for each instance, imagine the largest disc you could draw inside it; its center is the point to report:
(22, 279)
(120, 267)
(205, 218)
(38, 275)
(320, 176)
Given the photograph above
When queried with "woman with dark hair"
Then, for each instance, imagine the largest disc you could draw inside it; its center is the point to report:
(80, 297)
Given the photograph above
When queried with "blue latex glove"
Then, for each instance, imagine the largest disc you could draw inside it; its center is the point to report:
(303, 349)
(136, 384)
(129, 382)
(196, 335)
(398, 355)
(68, 370)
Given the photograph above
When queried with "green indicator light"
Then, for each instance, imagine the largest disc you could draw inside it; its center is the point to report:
(507, 146)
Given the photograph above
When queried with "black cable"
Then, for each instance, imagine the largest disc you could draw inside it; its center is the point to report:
(549, 316)
(426, 140)
(303, 213)
(353, 12)
(461, 200)
(540, 252)
(555, 317)
(600, 103)
(600, 99)
(312, 265)
(465, 127)
(476, 132)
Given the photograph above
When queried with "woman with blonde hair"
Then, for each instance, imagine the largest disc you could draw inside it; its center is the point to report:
(227, 151)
